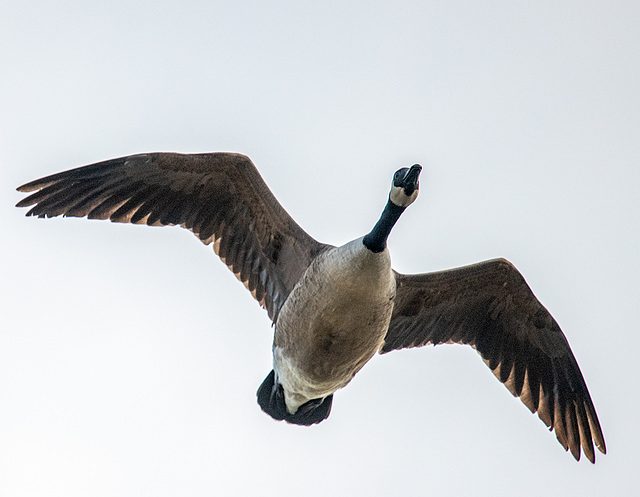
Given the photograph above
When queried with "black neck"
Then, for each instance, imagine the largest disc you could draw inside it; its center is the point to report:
(376, 239)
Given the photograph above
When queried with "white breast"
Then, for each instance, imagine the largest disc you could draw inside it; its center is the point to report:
(333, 322)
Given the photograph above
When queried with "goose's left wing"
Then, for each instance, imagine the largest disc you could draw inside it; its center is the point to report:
(490, 307)
(220, 197)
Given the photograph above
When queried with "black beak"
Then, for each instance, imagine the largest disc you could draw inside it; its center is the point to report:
(410, 181)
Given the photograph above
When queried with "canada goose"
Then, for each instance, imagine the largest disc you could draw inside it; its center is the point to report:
(333, 308)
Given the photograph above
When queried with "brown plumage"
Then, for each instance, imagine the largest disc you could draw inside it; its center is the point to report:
(222, 199)
(490, 307)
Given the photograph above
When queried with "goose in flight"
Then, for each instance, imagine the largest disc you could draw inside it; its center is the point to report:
(332, 307)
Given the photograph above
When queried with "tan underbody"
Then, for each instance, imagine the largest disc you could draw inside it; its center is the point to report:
(333, 322)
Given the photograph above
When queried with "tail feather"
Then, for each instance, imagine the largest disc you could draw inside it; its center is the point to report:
(271, 400)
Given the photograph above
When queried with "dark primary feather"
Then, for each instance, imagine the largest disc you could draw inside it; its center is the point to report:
(490, 307)
(220, 197)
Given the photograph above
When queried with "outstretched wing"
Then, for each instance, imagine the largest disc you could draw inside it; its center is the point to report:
(490, 307)
(220, 197)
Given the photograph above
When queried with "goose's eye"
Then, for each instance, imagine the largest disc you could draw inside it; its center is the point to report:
(399, 175)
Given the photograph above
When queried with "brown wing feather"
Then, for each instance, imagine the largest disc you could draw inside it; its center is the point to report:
(220, 197)
(490, 307)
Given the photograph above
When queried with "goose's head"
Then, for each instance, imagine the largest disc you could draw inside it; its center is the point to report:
(405, 185)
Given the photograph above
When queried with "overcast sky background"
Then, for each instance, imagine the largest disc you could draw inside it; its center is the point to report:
(130, 356)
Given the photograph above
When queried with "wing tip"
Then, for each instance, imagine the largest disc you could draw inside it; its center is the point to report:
(30, 186)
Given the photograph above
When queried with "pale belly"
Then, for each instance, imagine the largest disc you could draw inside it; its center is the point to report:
(329, 328)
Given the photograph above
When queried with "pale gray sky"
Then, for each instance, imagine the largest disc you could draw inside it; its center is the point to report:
(130, 356)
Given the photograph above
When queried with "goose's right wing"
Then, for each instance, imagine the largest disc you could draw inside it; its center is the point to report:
(220, 197)
(490, 307)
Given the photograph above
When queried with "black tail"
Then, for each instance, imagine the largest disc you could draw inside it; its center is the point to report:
(271, 399)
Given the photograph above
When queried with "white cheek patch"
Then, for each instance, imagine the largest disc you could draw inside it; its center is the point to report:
(398, 197)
